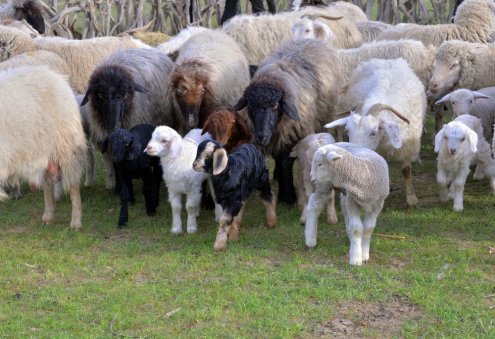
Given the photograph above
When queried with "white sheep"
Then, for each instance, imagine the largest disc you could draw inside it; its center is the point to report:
(389, 118)
(304, 152)
(176, 42)
(177, 155)
(39, 147)
(349, 10)
(479, 103)
(459, 144)
(363, 175)
(307, 28)
(474, 22)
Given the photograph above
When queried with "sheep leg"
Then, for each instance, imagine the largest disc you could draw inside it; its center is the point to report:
(286, 189)
(59, 190)
(90, 166)
(15, 191)
(438, 109)
(369, 224)
(443, 183)
(148, 192)
(354, 228)
(110, 172)
(411, 198)
(49, 195)
(268, 199)
(458, 183)
(75, 198)
(125, 189)
(315, 205)
(478, 172)
(303, 197)
(175, 202)
(331, 213)
(157, 180)
(236, 225)
(193, 203)
(223, 231)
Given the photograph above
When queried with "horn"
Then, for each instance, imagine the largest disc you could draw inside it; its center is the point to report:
(342, 114)
(378, 107)
(316, 16)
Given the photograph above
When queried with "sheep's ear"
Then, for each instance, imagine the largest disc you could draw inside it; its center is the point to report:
(393, 132)
(290, 109)
(337, 123)
(252, 70)
(332, 156)
(86, 98)
(446, 98)
(139, 88)
(240, 104)
(479, 95)
(173, 56)
(220, 160)
(473, 140)
(439, 140)
(104, 146)
(175, 147)
(323, 32)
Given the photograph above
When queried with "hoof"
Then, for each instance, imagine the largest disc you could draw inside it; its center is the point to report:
(176, 230)
(75, 226)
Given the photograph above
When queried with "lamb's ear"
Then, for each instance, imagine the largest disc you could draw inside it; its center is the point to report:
(289, 108)
(104, 146)
(139, 88)
(446, 98)
(332, 156)
(393, 132)
(175, 146)
(220, 160)
(337, 123)
(473, 140)
(240, 104)
(479, 95)
(439, 140)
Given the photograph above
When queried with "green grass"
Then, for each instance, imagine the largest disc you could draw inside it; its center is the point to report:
(101, 282)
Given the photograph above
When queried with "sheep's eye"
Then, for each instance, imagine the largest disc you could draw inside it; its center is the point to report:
(163, 141)
(307, 31)
(99, 95)
(470, 101)
(275, 107)
(445, 137)
(453, 103)
(454, 65)
(462, 140)
(373, 133)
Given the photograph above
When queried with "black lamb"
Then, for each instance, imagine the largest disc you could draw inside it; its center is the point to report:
(126, 150)
(234, 177)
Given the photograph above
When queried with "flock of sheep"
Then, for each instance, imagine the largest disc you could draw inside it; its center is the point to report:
(189, 110)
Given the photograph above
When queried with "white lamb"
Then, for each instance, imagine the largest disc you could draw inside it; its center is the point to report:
(363, 175)
(459, 144)
(177, 155)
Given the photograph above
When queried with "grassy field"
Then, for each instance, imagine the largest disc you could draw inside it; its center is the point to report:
(439, 281)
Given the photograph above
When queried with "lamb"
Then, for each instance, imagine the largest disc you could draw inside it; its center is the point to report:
(473, 22)
(308, 28)
(125, 149)
(389, 118)
(304, 152)
(259, 36)
(176, 158)
(460, 64)
(128, 88)
(290, 96)
(210, 70)
(459, 144)
(37, 146)
(174, 44)
(228, 127)
(81, 56)
(29, 10)
(363, 175)
(479, 103)
(234, 177)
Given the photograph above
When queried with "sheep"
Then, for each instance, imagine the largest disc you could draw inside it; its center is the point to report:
(459, 144)
(363, 175)
(259, 36)
(234, 177)
(128, 88)
(176, 158)
(175, 43)
(290, 96)
(479, 103)
(81, 56)
(37, 146)
(389, 118)
(29, 10)
(474, 22)
(210, 69)
(370, 30)
(125, 149)
(303, 152)
(307, 28)
(228, 127)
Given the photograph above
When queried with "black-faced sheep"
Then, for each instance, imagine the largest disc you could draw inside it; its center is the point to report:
(234, 177)
(289, 97)
(129, 88)
(29, 10)
(126, 150)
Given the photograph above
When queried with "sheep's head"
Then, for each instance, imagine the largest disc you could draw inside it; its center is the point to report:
(308, 28)
(227, 126)
(189, 82)
(462, 100)
(454, 136)
(211, 158)
(369, 130)
(31, 11)
(321, 166)
(165, 141)
(267, 103)
(119, 145)
(13, 42)
(111, 91)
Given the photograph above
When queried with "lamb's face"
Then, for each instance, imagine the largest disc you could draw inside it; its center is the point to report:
(188, 93)
(446, 74)
(111, 91)
(204, 156)
(321, 166)
(119, 145)
(161, 141)
(455, 136)
(220, 125)
(305, 28)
